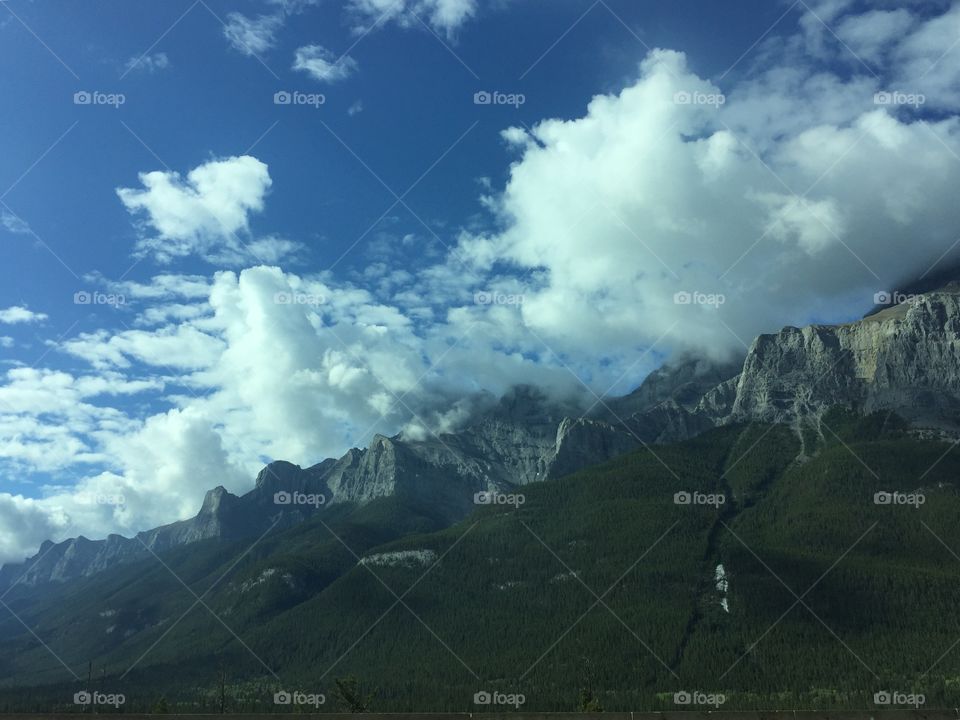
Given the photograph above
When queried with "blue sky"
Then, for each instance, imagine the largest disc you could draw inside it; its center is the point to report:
(214, 101)
(775, 163)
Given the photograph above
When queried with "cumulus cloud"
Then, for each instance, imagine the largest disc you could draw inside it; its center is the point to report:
(445, 16)
(202, 213)
(797, 198)
(18, 314)
(323, 65)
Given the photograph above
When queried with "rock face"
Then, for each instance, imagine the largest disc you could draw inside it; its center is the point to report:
(684, 382)
(524, 438)
(223, 515)
(904, 358)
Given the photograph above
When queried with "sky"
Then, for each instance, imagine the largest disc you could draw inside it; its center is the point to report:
(233, 232)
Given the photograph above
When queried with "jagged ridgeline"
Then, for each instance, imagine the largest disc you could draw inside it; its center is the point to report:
(819, 468)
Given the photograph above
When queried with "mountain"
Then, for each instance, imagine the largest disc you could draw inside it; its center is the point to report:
(423, 615)
(222, 515)
(524, 438)
(903, 359)
(319, 569)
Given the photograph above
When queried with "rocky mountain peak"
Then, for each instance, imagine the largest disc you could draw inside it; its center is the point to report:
(904, 358)
(214, 499)
(278, 475)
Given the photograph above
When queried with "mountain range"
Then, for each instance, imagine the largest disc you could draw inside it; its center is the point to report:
(903, 358)
(747, 429)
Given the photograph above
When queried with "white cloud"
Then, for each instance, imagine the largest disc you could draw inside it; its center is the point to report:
(445, 16)
(14, 224)
(201, 214)
(163, 287)
(871, 34)
(911, 45)
(292, 7)
(181, 347)
(323, 65)
(163, 470)
(18, 314)
(927, 61)
(643, 198)
(255, 36)
(148, 63)
(252, 36)
(49, 420)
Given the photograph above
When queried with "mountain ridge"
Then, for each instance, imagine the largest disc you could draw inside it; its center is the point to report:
(904, 358)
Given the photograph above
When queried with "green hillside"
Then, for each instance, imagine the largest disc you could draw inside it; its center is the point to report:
(599, 590)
